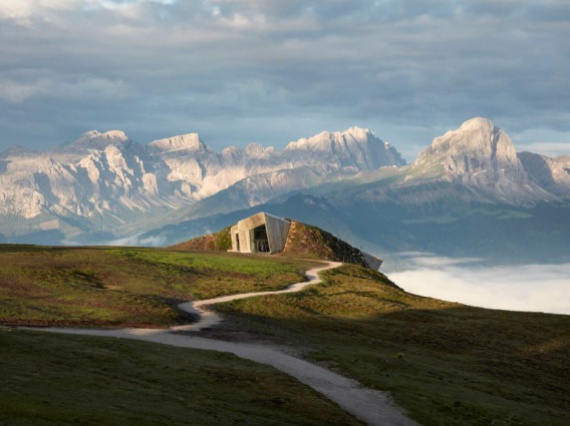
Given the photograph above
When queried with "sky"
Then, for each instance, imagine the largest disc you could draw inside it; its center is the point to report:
(240, 71)
(534, 288)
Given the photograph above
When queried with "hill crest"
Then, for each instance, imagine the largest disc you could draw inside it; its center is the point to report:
(301, 240)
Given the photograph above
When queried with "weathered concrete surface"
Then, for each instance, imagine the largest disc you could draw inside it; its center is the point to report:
(242, 233)
(372, 261)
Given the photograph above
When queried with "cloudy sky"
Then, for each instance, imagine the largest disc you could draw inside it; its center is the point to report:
(269, 71)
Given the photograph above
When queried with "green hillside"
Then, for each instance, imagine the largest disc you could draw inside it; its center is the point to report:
(50, 379)
(132, 287)
(446, 363)
(303, 240)
(314, 243)
(219, 241)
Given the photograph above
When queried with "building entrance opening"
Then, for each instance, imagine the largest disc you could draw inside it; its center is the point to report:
(260, 240)
(260, 233)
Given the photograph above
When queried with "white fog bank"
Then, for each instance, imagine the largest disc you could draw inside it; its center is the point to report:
(536, 288)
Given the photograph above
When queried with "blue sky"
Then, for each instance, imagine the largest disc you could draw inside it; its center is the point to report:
(238, 71)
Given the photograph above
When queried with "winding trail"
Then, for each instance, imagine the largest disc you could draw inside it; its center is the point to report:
(371, 406)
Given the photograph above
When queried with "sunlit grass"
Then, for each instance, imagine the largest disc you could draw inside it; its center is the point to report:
(125, 287)
(445, 362)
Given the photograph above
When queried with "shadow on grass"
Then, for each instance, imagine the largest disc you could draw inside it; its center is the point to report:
(444, 362)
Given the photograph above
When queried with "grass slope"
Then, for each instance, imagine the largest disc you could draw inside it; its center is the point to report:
(220, 241)
(124, 286)
(446, 363)
(303, 240)
(312, 242)
(48, 379)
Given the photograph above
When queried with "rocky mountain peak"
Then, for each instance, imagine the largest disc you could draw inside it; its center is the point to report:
(257, 150)
(552, 174)
(96, 138)
(352, 146)
(477, 146)
(186, 142)
(329, 140)
(16, 151)
(479, 124)
(358, 132)
(480, 155)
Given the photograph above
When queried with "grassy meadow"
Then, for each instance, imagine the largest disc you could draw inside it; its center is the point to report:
(446, 363)
(125, 286)
(51, 379)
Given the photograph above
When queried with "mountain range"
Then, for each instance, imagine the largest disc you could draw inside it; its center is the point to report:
(470, 193)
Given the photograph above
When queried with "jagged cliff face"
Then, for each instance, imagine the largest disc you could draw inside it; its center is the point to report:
(482, 158)
(476, 153)
(343, 151)
(106, 182)
(469, 194)
(103, 185)
(552, 174)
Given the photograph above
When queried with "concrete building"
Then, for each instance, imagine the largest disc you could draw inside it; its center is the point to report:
(265, 233)
(260, 233)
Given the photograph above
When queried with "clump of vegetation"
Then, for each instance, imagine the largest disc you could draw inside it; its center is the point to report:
(135, 287)
(314, 243)
(219, 241)
(444, 362)
(116, 382)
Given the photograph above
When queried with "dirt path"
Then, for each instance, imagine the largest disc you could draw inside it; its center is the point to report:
(209, 318)
(371, 406)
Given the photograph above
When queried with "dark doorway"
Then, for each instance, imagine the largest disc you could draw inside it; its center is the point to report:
(260, 240)
(237, 243)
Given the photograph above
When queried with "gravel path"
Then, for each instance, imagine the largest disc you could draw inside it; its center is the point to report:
(371, 406)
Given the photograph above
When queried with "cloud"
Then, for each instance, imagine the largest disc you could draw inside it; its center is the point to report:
(89, 88)
(537, 288)
(411, 67)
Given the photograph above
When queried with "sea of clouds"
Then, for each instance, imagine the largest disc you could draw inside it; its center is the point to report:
(536, 288)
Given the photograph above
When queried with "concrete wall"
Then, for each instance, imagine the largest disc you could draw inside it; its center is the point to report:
(277, 230)
(372, 261)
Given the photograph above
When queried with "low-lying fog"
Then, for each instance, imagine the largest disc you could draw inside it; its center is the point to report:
(537, 288)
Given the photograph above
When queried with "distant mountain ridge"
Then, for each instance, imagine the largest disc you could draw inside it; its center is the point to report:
(104, 185)
(482, 157)
(469, 194)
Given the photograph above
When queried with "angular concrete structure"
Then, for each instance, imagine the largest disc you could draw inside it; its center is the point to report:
(260, 233)
(265, 233)
(372, 261)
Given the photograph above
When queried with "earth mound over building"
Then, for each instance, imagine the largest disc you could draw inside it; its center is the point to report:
(265, 233)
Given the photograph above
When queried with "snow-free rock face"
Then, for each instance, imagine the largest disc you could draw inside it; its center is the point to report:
(355, 146)
(106, 182)
(189, 142)
(481, 156)
(478, 152)
(467, 195)
(94, 140)
(552, 174)
(103, 185)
